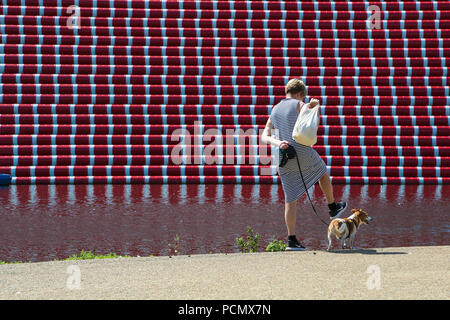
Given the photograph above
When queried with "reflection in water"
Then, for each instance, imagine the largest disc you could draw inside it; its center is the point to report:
(40, 222)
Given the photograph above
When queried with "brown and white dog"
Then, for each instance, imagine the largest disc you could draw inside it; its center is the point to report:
(346, 228)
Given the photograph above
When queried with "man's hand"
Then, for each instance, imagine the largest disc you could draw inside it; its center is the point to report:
(284, 145)
(314, 102)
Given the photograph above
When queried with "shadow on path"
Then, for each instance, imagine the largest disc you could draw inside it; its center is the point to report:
(366, 251)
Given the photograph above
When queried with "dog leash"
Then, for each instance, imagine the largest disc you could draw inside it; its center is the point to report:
(306, 189)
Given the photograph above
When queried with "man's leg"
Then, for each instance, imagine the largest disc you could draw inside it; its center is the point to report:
(335, 208)
(290, 212)
(327, 189)
(290, 216)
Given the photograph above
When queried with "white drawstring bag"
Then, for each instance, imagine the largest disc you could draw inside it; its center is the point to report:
(305, 129)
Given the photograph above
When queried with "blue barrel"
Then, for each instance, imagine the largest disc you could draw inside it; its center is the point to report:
(5, 179)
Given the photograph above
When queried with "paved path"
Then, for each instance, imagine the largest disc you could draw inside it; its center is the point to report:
(404, 273)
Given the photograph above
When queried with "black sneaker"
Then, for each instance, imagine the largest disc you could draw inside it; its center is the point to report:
(294, 245)
(340, 207)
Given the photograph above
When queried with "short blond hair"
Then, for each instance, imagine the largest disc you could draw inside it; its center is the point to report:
(295, 86)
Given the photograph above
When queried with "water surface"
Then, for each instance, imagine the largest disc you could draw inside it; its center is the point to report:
(46, 222)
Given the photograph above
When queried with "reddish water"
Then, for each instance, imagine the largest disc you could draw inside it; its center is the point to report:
(40, 223)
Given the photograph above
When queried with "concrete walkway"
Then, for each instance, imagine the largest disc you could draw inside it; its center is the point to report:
(388, 273)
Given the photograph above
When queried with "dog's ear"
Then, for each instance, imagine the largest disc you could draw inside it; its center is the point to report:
(354, 210)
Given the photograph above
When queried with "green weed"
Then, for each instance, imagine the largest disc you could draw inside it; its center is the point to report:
(251, 245)
(276, 245)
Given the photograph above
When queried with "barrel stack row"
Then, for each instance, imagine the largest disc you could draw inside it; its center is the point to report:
(138, 91)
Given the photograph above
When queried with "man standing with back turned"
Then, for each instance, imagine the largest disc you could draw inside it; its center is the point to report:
(283, 118)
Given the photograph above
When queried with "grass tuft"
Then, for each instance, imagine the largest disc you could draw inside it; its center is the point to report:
(88, 255)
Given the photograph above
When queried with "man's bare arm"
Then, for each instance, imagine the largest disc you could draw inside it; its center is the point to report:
(267, 138)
